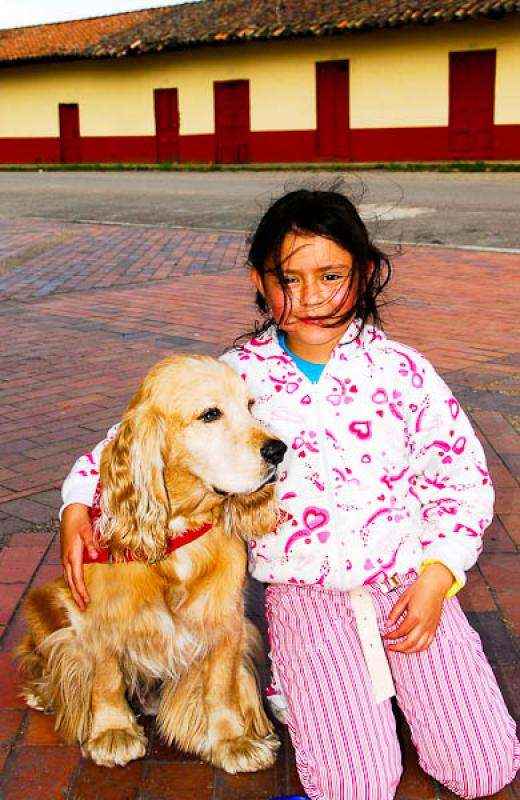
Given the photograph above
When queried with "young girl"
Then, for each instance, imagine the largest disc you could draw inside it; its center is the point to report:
(387, 494)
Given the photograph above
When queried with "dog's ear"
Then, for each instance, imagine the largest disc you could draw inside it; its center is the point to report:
(134, 500)
(252, 515)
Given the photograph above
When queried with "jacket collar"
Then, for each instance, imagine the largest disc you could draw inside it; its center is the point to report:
(355, 340)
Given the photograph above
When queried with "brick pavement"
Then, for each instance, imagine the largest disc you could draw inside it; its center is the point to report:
(86, 310)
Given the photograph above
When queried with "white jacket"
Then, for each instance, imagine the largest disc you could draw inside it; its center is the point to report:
(383, 470)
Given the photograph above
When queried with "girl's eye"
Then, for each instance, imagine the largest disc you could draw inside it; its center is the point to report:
(333, 276)
(210, 415)
(288, 279)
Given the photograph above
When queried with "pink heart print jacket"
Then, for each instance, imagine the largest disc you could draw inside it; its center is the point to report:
(383, 471)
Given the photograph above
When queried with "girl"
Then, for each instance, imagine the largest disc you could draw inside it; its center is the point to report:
(387, 495)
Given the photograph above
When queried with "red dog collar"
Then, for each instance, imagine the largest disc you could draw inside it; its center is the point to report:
(104, 554)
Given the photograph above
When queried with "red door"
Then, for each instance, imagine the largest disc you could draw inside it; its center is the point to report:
(332, 98)
(472, 99)
(167, 124)
(70, 145)
(232, 121)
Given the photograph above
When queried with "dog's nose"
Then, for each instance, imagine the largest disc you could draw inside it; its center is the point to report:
(273, 451)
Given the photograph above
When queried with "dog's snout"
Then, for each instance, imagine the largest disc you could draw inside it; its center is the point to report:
(273, 451)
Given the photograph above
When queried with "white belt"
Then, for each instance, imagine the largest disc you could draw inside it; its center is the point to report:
(372, 644)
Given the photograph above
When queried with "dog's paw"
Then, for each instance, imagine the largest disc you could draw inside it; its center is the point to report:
(116, 747)
(33, 701)
(246, 754)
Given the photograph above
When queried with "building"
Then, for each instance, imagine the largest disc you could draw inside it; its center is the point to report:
(237, 81)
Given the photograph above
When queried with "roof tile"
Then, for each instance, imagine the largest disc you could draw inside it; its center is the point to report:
(223, 21)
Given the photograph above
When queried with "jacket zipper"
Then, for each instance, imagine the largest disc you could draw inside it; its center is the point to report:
(335, 532)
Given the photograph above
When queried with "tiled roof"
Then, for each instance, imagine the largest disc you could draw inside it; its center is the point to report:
(65, 39)
(225, 21)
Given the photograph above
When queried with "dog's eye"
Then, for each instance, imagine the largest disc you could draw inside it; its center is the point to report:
(210, 415)
(250, 405)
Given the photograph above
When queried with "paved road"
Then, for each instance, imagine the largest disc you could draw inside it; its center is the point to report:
(84, 311)
(476, 209)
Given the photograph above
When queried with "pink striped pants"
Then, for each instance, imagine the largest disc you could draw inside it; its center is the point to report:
(346, 745)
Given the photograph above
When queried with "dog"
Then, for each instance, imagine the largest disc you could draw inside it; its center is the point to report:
(187, 479)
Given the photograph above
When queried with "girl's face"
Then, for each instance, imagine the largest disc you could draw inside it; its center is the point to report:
(316, 277)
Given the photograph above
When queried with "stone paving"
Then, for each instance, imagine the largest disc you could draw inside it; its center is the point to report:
(86, 310)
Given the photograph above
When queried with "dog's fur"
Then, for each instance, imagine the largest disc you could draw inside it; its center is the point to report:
(169, 631)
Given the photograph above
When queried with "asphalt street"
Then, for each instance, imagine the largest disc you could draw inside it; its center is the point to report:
(478, 210)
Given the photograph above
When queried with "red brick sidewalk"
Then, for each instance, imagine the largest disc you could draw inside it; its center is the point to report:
(86, 309)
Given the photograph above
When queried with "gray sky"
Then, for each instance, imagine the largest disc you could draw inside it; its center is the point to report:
(17, 13)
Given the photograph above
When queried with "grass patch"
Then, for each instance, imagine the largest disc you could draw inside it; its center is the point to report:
(390, 166)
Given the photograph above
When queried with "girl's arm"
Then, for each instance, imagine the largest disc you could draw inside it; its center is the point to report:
(76, 534)
(451, 481)
(76, 530)
(80, 484)
(449, 478)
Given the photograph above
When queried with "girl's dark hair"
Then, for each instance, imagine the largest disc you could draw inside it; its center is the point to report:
(332, 215)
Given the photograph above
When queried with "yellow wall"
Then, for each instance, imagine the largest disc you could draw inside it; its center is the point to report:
(398, 78)
(406, 82)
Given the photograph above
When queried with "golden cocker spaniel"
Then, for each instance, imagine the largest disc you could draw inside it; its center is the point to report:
(167, 627)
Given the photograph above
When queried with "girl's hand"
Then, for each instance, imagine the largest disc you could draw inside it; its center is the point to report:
(422, 605)
(76, 534)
